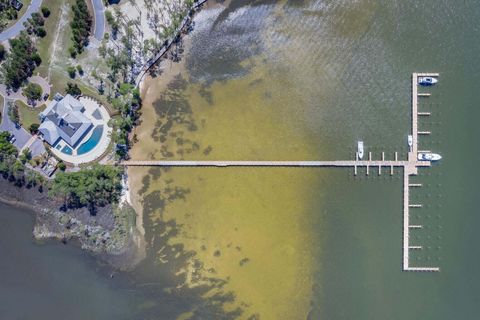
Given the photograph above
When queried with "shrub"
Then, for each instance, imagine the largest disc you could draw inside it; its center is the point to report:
(73, 89)
(37, 59)
(62, 166)
(34, 128)
(2, 52)
(13, 113)
(45, 12)
(80, 70)
(40, 32)
(72, 72)
(73, 52)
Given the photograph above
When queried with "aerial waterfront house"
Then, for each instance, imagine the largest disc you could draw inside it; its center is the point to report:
(64, 119)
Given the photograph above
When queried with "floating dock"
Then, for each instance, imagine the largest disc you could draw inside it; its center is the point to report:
(409, 166)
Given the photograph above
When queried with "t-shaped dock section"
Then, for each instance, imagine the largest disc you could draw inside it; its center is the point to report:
(410, 167)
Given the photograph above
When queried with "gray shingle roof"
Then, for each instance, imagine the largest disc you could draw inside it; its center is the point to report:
(64, 119)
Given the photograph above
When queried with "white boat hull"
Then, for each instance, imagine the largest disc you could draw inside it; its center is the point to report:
(360, 149)
(428, 157)
(427, 81)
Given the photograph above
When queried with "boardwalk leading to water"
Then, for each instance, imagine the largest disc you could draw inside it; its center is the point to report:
(340, 163)
(410, 167)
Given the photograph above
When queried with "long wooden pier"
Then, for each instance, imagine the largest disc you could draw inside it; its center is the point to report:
(340, 163)
(410, 167)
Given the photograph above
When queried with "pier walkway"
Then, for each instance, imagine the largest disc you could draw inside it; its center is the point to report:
(410, 167)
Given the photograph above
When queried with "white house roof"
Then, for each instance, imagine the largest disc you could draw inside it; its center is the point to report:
(64, 119)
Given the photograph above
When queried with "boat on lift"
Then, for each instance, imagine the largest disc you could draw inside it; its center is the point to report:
(427, 81)
(427, 156)
(360, 149)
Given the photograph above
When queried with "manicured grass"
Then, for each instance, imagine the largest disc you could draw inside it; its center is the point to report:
(29, 115)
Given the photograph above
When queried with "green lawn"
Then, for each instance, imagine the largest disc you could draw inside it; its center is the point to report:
(29, 115)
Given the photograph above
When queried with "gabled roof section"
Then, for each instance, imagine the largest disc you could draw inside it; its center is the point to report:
(66, 118)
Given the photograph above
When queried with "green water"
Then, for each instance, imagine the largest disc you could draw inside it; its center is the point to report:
(305, 80)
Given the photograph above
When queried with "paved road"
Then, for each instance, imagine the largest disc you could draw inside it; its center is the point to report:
(99, 11)
(21, 135)
(14, 30)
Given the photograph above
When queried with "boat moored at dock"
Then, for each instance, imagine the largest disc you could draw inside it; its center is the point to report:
(427, 81)
(424, 156)
(360, 149)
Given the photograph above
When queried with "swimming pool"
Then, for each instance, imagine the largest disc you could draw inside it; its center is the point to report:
(92, 141)
(67, 150)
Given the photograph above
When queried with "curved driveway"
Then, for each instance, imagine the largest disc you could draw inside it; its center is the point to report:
(14, 30)
(99, 11)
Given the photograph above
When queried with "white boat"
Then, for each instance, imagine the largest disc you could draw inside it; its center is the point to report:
(429, 156)
(410, 140)
(427, 81)
(360, 149)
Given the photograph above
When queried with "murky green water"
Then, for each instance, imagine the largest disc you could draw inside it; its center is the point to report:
(307, 79)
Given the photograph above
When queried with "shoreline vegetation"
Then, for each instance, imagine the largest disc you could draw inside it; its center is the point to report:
(66, 208)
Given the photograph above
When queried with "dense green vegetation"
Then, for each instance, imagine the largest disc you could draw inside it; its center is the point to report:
(2, 52)
(45, 12)
(128, 103)
(95, 186)
(32, 91)
(12, 168)
(81, 27)
(20, 62)
(7, 12)
(35, 25)
(72, 72)
(13, 113)
(73, 89)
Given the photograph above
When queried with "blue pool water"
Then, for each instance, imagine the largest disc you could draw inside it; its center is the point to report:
(67, 150)
(92, 141)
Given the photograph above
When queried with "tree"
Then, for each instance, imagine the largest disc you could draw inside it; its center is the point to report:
(25, 156)
(62, 166)
(34, 128)
(73, 89)
(81, 25)
(13, 113)
(40, 32)
(80, 70)
(6, 148)
(37, 59)
(98, 185)
(33, 91)
(21, 61)
(72, 72)
(2, 52)
(45, 12)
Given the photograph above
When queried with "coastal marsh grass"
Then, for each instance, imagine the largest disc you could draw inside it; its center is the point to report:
(29, 115)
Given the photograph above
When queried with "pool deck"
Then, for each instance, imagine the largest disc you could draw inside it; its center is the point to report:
(90, 107)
